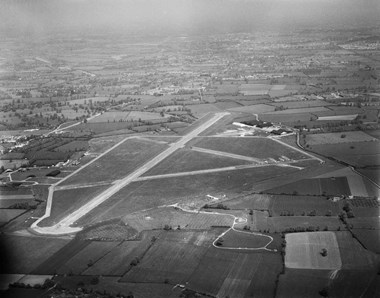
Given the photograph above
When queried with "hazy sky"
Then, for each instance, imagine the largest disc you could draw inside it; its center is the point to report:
(161, 16)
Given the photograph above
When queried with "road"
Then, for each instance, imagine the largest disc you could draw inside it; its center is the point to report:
(63, 227)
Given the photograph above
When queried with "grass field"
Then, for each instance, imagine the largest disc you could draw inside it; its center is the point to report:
(99, 145)
(252, 147)
(185, 189)
(302, 205)
(159, 217)
(67, 201)
(353, 255)
(173, 257)
(317, 187)
(125, 116)
(24, 254)
(338, 137)
(303, 251)
(184, 160)
(238, 274)
(235, 239)
(118, 163)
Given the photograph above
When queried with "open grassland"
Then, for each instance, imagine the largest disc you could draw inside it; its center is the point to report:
(117, 163)
(303, 251)
(118, 260)
(158, 218)
(249, 146)
(369, 238)
(353, 254)
(251, 201)
(238, 274)
(24, 254)
(338, 137)
(283, 205)
(185, 189)
(304, 283)
(184, 160)
(99, 145)
(173, 257)
(358, 154)
(86, 257)
(67, 201)
(315, 187)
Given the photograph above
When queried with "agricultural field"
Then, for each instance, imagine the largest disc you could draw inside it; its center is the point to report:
(118, 260)
(358, 154)
(286, 118)
(173, 257)
(158, 218)
(338, 137)
(185, 189)
(24, 254)
(353, 254)
(239, 274)
(300, 104)
(7, 215)
(303, 251)
(315, 187)
(283, 223)
(282, 205)
(302, 283)
(85, 258)
(249, 146)
(355, 181)
(254, 109)
(34, 172)
(369, 238)
(117, 163)
(355, 283)
(186, 160)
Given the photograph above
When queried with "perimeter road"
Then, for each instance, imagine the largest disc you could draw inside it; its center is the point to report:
(63, 227)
